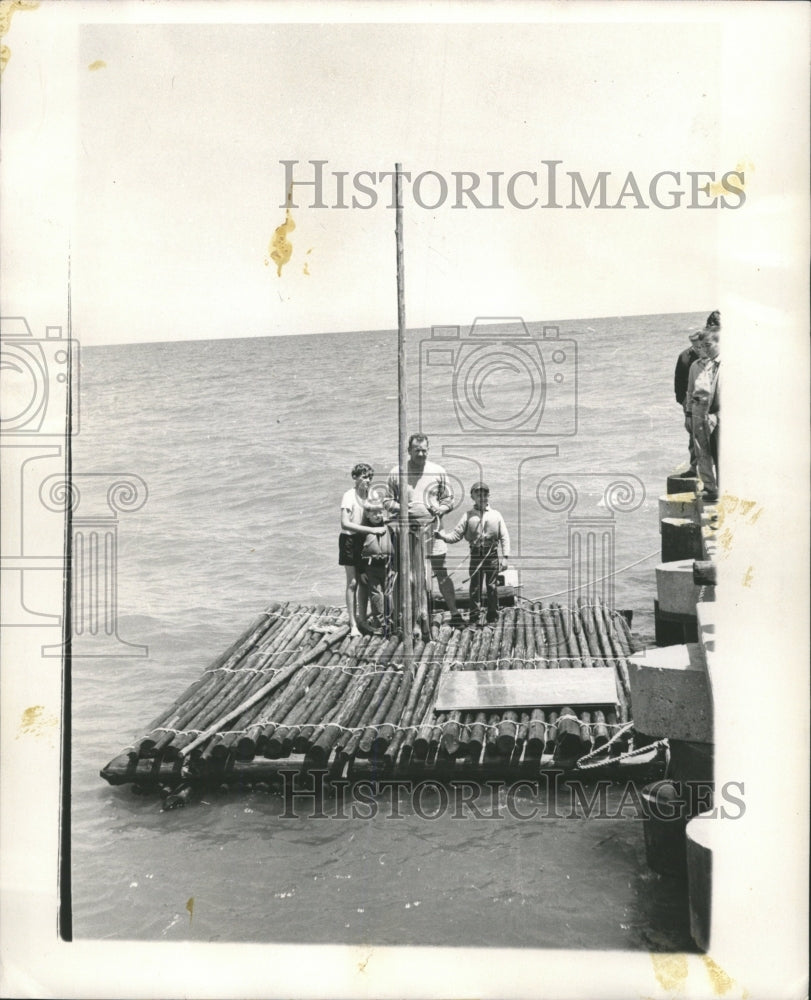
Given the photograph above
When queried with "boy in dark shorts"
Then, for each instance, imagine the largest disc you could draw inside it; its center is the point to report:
(350, 541)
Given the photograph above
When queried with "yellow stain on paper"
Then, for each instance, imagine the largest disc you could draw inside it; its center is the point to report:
(280, 249)
(721, 982)
(733, 514)
(98, 64)
(670, 970)
(747, 580)
(741, 167)
(190, 908)
(34, 721)
(7, 10)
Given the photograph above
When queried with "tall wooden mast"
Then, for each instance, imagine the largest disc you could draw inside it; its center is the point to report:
(404, 548)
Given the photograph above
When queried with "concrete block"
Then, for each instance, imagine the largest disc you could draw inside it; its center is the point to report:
(675, 589)
(699, 835)
(681, 539)
(682, 484)
(680, 505)
(673, 630)
(670, 693)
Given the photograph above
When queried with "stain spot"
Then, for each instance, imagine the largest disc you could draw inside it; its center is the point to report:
(742, 167)
(35, 721)
(7, 10)
(670, 970)
(98, 64)
(362, 965)
(281, 249)
(305, 269)
(747, 580)
(721, 982)
(190, 908)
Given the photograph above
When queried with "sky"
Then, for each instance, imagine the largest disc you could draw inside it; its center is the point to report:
(177, 132)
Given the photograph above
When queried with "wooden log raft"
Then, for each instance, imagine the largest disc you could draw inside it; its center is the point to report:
(296, 682)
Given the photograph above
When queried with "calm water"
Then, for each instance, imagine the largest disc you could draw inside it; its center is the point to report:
(246, 447)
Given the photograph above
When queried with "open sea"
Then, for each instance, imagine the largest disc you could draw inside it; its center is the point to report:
(245, 447)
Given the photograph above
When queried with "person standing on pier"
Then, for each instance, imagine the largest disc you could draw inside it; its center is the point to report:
(484, 529)
(704, 402)
(680, 380)
(706, 416)
(430, 497)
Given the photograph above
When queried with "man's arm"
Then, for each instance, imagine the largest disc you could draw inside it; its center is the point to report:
(455, 535)
(445, 500)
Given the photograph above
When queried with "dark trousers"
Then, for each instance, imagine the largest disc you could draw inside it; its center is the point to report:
(483, 580)
(379, 582)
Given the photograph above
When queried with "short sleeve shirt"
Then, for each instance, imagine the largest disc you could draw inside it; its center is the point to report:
(353, 503)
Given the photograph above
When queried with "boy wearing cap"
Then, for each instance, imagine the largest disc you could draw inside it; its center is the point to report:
(484, 529)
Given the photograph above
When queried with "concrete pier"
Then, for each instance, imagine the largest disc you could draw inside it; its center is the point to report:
(670, 693)
(671, 684)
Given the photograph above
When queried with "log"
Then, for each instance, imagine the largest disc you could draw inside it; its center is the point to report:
(386, 731)
(614, 658)
(567, 742)
(363, 648)
(271, 715)
(600, 729)
(477, 727)
(466, 718)
(241, 688)
(501, 642)
(423, 739)
(360, 716)
(275, 682)
(321, 748)
(408, 712)
(536, 739)
(551, 734)
(590, 633)
(507, 728)
(332, 692)
(199, 693)
(446, 731)
(427, 693)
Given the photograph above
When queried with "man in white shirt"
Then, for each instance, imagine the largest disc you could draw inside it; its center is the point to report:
(430, 497)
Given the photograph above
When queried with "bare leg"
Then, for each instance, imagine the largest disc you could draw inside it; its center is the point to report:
(351, 593)
(446, 588)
